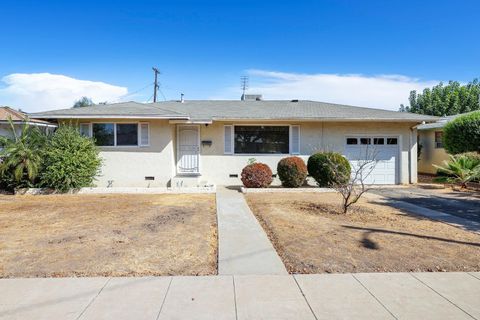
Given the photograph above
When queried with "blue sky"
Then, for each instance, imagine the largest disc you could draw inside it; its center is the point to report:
(359, 52)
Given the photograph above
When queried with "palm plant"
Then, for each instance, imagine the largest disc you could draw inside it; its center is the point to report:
(459, 169)
(20, 156)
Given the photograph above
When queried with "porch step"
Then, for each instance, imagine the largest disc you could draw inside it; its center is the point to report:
(181, 181)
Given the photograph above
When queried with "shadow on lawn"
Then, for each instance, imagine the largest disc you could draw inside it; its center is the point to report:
(369, 244)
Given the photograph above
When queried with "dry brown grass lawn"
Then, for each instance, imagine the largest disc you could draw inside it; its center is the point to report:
(311, 238)
(107, 235)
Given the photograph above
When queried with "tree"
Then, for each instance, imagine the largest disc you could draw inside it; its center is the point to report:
(445, 100)
(83, 102)
(462, 134)
(21, 157)
(71, 160)
(353, 189)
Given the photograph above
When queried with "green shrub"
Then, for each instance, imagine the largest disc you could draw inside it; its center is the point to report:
(459, 169)
(292, 171)
(71, 160)
(462, 134)
(321, 167)
(256, 175)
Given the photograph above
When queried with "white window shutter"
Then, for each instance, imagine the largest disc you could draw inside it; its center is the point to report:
(144, 130)
(85, 129)
(228, 139)
(295, 140)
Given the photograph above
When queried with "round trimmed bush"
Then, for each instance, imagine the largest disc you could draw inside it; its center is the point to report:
(320, 167)
(256, 175)
(292, 171)
(462, 134)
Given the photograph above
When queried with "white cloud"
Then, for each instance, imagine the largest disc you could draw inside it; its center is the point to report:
(381, 91)
(33, 92)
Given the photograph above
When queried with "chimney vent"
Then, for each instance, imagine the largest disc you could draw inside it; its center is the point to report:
(252, 97)
(181, 98)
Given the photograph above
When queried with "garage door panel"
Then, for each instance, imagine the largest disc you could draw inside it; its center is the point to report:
(385, 166)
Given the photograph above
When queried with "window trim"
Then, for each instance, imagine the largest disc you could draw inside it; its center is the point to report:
(266, 125)
(437, 143)
(138, 123)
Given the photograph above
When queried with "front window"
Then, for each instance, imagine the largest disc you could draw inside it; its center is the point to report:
(111, 134)
(262, 139)
(127, 134)
(104, 134)
(438, 139)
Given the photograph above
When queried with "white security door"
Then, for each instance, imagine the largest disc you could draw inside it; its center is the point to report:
(188, 150)
(385, 152)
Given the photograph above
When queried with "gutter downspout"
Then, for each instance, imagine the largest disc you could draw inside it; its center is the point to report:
(412, 155)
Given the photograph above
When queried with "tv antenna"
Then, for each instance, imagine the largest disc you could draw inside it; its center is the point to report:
(155, 84)
(244, 85)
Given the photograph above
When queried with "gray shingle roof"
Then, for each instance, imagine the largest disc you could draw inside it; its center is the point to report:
(116, 110)
(208, 110)
(441, 122)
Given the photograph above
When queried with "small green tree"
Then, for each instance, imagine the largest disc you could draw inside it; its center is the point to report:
(71, 160)
(83, 102)
(21, 157)
(462, 134)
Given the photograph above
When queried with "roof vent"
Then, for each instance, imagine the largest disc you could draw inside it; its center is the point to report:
(294, 100)
(182, 100)
(252, 97)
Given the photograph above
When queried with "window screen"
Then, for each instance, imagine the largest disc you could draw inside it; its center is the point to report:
(127, 134)
(104, 134)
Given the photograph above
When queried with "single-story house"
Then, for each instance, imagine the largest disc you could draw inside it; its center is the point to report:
(430, 142)
(203, 142)
(18, 119)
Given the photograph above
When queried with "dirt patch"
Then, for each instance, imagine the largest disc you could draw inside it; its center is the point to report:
(312, 237)
(107, 235)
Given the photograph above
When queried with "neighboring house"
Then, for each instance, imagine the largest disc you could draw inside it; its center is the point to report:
(190, 143)
(430, 137)
(18, 119)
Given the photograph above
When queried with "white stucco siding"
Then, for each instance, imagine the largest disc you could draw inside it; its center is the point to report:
(128, 166)
(216, 167)
(430, 155)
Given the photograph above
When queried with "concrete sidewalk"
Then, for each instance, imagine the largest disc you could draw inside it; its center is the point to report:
(243, 246)
(326, 296)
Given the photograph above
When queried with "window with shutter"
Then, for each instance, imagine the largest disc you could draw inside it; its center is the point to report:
(295, 140)
(228, 139)
(144, 134)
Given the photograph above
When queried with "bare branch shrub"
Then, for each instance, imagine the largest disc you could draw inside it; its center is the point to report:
(353, 189)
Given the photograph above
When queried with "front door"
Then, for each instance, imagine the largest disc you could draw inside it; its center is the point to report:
(188, 149)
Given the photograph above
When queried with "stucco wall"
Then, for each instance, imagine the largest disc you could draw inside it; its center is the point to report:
(128, 166)
(216, 167)
(429, 154)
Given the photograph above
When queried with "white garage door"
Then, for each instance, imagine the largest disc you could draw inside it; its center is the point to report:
(384, 150)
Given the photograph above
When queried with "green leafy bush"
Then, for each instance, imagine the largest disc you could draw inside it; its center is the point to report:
(71, 160)
(462, 134)
(292, 171)
(256, 175)
(321, 167)
(21, 158)
(459, 169)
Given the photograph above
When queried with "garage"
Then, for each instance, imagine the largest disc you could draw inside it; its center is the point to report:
(384, 149)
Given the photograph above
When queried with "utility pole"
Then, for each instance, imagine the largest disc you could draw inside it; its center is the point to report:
(155, 84)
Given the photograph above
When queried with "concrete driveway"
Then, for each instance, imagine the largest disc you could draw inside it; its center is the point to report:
(460, 204)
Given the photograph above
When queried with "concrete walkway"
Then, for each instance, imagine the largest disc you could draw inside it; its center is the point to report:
(243, 246)
(326, 296)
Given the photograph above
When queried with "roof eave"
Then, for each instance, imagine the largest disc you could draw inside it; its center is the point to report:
(111, 116)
